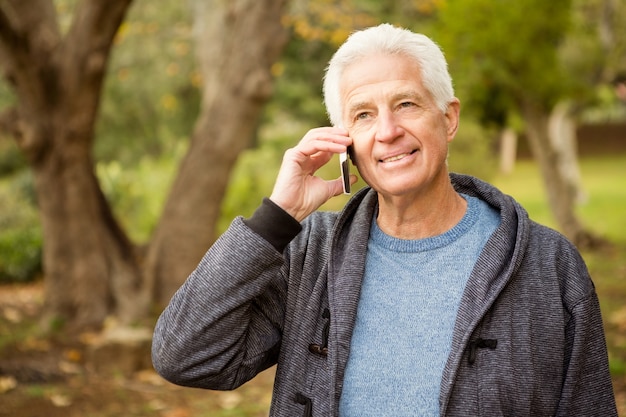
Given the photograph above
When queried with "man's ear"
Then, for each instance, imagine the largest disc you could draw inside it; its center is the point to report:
(452, 117)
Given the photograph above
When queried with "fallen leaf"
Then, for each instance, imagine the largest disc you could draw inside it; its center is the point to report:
(73, 355)
(229, 400)
(7, 383)
(60, 400)
(12, 314)
(149, 376)
(157, 404)
(69, 368)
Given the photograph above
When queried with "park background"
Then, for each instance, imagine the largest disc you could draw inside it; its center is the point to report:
(132, 132)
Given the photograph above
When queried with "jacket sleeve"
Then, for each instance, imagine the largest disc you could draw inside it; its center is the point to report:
(587, 387)
(224, 325)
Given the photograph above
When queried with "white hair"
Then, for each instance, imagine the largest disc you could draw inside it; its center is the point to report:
(388, 39)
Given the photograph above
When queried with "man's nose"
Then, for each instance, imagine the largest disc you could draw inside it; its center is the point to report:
(387, 127)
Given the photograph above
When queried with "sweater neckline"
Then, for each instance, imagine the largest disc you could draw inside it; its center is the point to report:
(380, 238)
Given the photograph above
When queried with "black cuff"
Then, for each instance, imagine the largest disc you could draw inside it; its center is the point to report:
(273, 224)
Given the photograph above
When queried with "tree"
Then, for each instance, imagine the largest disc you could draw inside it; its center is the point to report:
(89, 262)
(237, 83)
(92, 269)
(510, 59)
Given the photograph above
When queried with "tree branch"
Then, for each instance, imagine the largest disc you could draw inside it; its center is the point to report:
(92, 31)
(85, 52)
(24, 24)
(12, 42)
(8, 34)
(28, 36)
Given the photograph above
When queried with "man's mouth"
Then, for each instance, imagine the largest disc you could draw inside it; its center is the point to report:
(398, 157)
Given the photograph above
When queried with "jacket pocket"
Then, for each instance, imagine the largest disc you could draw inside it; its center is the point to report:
(307, 403)
(479, 343)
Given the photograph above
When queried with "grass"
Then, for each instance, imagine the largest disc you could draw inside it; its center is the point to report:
(604, 183)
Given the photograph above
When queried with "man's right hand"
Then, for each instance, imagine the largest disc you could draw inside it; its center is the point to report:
(297, 190)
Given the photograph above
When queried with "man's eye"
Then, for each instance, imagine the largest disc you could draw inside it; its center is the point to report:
(361, 116)
(407, 104)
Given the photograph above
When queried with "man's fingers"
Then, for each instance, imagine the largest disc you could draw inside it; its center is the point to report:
(325, 139)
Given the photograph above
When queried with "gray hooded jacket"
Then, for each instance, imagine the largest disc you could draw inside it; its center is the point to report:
(528, 338)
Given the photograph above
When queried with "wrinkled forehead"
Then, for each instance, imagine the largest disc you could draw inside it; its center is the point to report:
(382, 61)
(379, 66)
(391, 75)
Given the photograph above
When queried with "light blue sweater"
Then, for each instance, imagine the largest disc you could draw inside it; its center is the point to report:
(409, 300)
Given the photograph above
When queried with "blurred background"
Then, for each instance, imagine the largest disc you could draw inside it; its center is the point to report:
(133, 132)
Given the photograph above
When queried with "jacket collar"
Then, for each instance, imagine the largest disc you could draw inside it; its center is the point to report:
(345, 272)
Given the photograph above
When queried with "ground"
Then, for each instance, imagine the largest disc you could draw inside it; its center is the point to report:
(69, 376)
(75, 376)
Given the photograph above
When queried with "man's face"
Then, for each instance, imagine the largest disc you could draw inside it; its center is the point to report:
(400, 136)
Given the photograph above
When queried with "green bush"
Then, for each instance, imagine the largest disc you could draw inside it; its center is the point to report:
(137, 193)
(11, 160)
(20, 255)
(252, 179)
(20, 236)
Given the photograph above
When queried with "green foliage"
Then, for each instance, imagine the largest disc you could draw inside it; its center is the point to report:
(7, 96)
(137, 193)
(505, 53)
(595, 50)
(151, 95)
(20, 233)
(149, 105)
(256, 169)
(617, 366)
(11, 159)
(471, 151)
(298, 86)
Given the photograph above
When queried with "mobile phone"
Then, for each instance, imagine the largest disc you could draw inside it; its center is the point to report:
(345, 171)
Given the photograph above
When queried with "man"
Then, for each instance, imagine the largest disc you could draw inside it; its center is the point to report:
(429, 294)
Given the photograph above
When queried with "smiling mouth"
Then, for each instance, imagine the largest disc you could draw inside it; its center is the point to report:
(398, 157)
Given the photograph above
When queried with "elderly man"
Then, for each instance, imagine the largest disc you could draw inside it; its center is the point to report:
(429, 294)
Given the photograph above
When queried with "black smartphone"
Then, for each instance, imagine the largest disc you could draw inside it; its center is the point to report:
(345, 170)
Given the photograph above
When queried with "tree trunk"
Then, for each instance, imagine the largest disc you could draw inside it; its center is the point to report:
(562, 132)
(237, 44)
(90, 270)
(508, 150)
(561, 196)
(90, 266)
